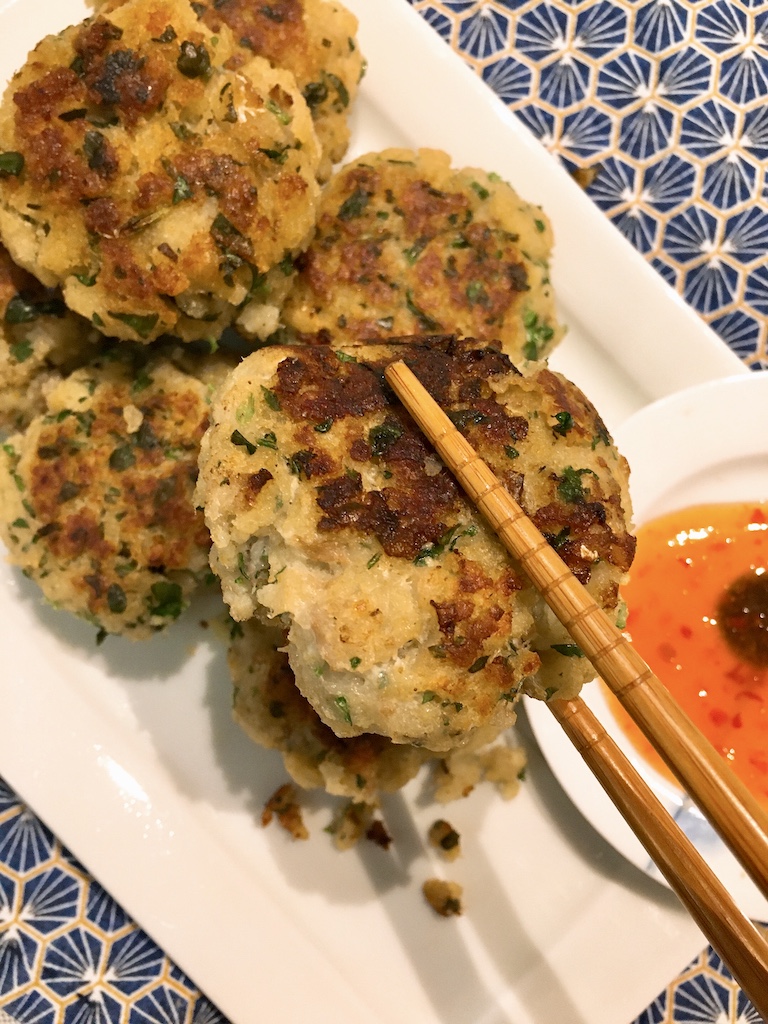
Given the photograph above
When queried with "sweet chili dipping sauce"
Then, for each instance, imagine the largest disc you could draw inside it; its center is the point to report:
(698, 614)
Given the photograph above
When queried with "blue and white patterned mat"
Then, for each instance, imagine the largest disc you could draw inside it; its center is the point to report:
(663, 104)
(659, 106)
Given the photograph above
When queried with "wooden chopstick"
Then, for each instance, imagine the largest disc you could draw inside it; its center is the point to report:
(721, 796)
(741, 946)
(705, 775)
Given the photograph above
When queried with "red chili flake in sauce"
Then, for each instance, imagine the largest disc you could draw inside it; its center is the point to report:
(690, 564)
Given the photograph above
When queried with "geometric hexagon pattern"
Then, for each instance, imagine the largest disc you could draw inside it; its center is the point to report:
(68, 953)
(661, 109)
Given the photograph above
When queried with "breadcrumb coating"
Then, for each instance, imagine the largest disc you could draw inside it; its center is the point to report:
(313, 39)
(40, 341)
(332, 517)
(163, 190)
(316, 41)
(406, 244)
(96, 495)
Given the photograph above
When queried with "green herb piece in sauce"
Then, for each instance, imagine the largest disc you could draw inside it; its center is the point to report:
(282, 116)
(463, 418)
(21, 351)
(412, 254)
(537, 334)
(479, 664)
(354, 662)
(21, 310)
(241, 441)
(278, 156)
(479, 189)
(246, 409)
(315, 93)
(181, 190)
(167, 35)
(122, 458)
(341, 89)
(95, 150)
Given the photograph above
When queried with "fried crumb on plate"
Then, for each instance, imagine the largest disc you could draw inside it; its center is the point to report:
(443, 896)
(377, 833)
(445, 839)
(350, 823)
(284, 805)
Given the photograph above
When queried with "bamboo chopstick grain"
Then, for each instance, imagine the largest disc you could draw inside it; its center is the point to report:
(705, 898)
(706, 777)
(727, 803)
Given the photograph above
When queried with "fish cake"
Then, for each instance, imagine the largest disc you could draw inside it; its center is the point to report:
(316, 41)
(40, 341)
(164, 192)
(332, 517)
(96, 494)
(406, 244)
(271, 710)
(313, 39)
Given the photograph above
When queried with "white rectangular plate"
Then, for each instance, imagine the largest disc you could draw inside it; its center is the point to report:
(129, 754)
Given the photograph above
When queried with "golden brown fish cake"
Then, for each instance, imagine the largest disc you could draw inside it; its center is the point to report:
(96, 495)
(331, 516)
(40, 340)
(270, 709)
(405, 244)
(163, 191)
(313, 39)
(316, 41)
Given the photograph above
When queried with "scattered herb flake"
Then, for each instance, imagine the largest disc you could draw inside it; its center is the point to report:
(142, 324)
(271, 399)
(343, 706)
(568, 650)
(571, 489)
(168, 600)
(354, 205)
(564, 423)
(11, 164)
(193, 60)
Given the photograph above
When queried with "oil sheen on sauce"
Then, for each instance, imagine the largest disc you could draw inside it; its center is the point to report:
(698, 614)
